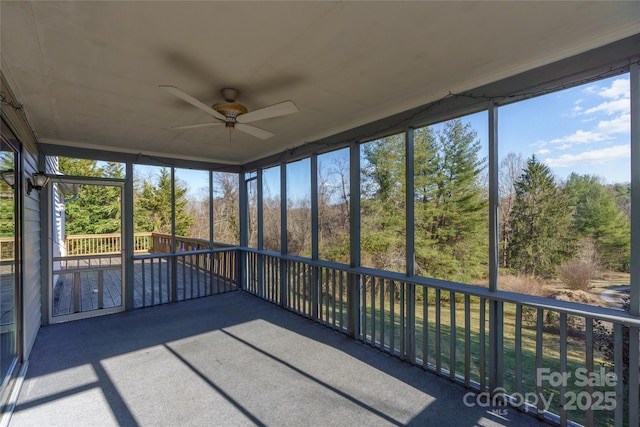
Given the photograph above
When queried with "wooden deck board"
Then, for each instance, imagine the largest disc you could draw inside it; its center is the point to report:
(152, 285)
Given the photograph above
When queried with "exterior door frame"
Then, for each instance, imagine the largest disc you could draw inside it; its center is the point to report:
(68, 180)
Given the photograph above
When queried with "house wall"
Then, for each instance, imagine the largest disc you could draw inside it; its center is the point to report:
(30, 216)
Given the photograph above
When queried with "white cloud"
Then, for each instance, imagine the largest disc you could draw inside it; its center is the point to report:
(620, 124)
(591, 157)
(617, 105)
(544, 151)
(611, 107)
(620, 88)
(581, 137)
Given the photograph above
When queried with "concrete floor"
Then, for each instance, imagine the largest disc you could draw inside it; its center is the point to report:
(229, 359)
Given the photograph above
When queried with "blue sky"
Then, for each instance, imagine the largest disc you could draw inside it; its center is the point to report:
(585, 130)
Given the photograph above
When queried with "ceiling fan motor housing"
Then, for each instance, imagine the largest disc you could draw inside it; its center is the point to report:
(229, 109)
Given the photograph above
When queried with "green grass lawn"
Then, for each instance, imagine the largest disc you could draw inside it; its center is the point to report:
(381, 324)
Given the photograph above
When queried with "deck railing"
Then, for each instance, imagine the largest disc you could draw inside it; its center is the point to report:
(159, 276)
(104, 244)
(170, 277)
(89, 279)
(561, 361)
(147, 242)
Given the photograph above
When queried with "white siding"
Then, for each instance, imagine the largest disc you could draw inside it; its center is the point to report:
(33, 279)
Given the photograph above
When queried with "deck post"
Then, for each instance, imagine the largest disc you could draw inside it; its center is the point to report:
(244, 230)
(259, 258)
(634, 300)
(174, 241)
(410, 297)
(129, 265)
(495, 307)
(314, 290)
(284, 292)
(353, 288)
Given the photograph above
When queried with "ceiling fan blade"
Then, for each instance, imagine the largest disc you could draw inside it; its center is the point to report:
(191, 100)
(199, 125)
(252, 130)
(275, 110)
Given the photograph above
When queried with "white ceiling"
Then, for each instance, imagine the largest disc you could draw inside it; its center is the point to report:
(88, 72)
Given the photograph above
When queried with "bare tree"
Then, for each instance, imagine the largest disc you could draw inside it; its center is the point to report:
(511, 167)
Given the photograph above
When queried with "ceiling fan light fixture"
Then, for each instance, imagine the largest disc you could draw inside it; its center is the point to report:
(234, 115)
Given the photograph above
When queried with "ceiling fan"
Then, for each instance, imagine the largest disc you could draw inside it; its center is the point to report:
(232, 114)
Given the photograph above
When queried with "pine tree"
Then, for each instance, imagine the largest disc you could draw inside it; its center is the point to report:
(450, 206)
(97, 209)
(540, 222)
(154, 206)
(451, 209)
(383, 228)
(597, 216)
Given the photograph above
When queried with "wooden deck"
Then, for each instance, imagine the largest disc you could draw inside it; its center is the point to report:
(100, 284)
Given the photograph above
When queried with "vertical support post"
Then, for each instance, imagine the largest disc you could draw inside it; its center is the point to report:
(495, 307)
(260, 225)
(244, 230)
(211, 256)
(259, 201)
(284, 290)
(353, 289)
(634, 308)
(174, 242)
(211, 213)
(315, 238)
(410, 297)
(46, 208)
(127, 209)
(635, 189)
(493, 197)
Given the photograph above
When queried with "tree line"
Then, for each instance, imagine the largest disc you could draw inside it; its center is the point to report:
(544, 222)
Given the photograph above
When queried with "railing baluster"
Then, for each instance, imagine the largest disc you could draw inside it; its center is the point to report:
(518, 349)
(425, 327)
(363, 299)
(373, 311)
(467, 340)
(153, 283)
(77, 290)
(539, 357)
(588, 353)
(382, 313)
(403, 321)
(452, 336)
(618, 368)
(482, 341)
(438, 346)
(392, 320)
(634, 375)
(333, 297)
(100, 289)
(563, 368)
(342, 302)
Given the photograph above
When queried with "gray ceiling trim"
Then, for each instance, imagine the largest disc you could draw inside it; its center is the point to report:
(141, 159)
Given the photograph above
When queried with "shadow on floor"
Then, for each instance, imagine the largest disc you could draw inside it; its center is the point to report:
(230, 359)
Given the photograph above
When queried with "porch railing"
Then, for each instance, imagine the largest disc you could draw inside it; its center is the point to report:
(561, 361)
(93, 262)
(169, 277)
(103, 244)
(148, 242)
